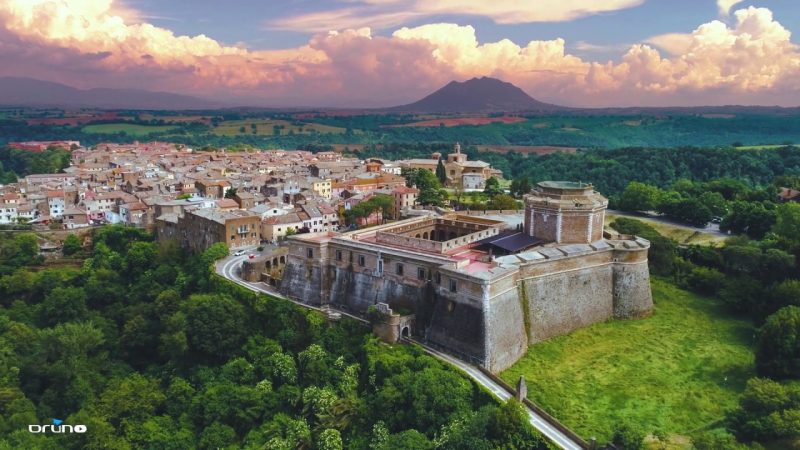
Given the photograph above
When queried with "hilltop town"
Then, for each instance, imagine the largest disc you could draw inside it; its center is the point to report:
(185, 194)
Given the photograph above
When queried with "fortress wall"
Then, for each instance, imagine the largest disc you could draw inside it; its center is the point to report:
(632, 295)
(456, 323)
(565, 294)
(506, 336)
(302, 280)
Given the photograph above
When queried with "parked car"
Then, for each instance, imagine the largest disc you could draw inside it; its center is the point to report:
(239, 253)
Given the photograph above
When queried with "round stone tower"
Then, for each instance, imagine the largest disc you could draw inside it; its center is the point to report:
(565, 212)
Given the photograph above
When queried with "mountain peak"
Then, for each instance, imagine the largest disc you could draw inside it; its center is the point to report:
(478, 95)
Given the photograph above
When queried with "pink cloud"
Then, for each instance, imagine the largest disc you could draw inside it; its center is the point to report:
(93, 43)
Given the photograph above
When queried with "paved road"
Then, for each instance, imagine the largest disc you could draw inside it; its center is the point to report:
(230, 269)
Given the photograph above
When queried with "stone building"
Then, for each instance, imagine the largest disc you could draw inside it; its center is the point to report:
(458, 169)
(201, 228)
(478, 288)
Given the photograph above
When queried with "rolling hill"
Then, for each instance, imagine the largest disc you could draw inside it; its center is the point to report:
(16, 91)
(478, 95)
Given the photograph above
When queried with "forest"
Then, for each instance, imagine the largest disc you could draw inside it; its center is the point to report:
(147, 348)
(570, 130)
(16, 163)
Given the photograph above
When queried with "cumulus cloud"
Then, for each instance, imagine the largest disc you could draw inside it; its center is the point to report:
(388, 13)
(91, 43)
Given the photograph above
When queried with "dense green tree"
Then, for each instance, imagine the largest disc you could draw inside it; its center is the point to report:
(705, 280)
(430, 189)
(134, 398)
(743, 294)
(441, 172)
(778, 345)
(639, 197)
(72, 245)
(787, 222)
(628, 437)
(767, 411)
(751, 218)
(377, 203)
(150, 350)
(503, 201)
(214, 325)
(20, 250)
(329, 439)
(520, 187)
(508, 428)
(63, 304)
(217, 436)
(492, 188)
(408, 440)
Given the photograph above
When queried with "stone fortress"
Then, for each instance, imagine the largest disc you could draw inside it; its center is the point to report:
(479, 288)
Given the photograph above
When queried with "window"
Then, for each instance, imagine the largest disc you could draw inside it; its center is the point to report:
(362, 261)
(338, 255)
(438, 278)
(233, 237)
(380, 266)
(453, 285)
(310, 252)
(399, 269)
(420, 273)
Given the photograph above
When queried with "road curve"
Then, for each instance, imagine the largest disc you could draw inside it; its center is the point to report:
(228, 268)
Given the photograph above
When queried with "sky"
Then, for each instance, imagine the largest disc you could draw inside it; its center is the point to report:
(368, 53)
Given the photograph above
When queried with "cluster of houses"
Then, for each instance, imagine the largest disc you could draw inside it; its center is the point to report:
(199, 198)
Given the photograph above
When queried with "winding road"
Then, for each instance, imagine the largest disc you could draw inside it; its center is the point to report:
(230, 268)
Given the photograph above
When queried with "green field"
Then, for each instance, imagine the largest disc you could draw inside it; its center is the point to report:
(266, 127)
(675, 372)
(127, 128)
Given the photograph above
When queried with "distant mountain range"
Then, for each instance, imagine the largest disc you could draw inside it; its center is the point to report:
(30, 92)
(475, 96)
(478, 95)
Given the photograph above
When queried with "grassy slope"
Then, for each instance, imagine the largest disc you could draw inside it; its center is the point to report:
(128, 128)
(676, 371)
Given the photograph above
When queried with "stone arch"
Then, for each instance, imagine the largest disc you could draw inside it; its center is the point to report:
(283, 260)
(405, 332)
(417, 236)
(274, 261)
(425, 235)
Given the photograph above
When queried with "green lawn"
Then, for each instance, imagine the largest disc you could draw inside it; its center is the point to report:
(675, 372)
(127, 128)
